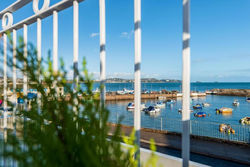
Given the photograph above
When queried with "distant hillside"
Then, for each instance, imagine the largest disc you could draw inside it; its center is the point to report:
(118, 80)
(144, 80)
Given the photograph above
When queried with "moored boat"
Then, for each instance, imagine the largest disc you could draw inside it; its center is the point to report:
(200, 114)
(7, 109)
(160, 104)
(180, 111)
(248, 99)
(131, 106)
(225, 110)
(206, 104)
(245, 121)
(226, 128)
(197, 106)
(151, 109)
(236, 103)
(170, 101)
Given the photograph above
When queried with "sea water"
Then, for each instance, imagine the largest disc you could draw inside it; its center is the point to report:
(170, 119)
(201, 86)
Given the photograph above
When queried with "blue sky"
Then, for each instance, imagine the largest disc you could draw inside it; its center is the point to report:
(220, 38)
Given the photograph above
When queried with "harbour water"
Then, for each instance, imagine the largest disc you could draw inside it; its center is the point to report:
(170, 119)
(196, 86)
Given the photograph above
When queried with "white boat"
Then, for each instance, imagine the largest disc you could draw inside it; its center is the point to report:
(154, 114)
(151, 109)
(179, 95)
(7, 109)
(131, 106)
(208, 92)
(143, 106)
(236, 103)
(160, 104)
(248, 99)
(180, 110)
(170, 101)
(206, 104)
(124, 91)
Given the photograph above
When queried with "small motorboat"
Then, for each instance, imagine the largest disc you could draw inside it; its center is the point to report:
(131, 106)
(248, 99)
(170, 101)
(200, 114)
(143, 106)
(236, 103)
(245, 121)
(160, 104)
(226, 128)
(180, 111)
(8, 109)
(197, 106)
(206, 104)
(224, 110)
(154, 114)
(151, 109)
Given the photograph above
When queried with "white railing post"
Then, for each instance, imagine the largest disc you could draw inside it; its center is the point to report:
(14, 75)
(102, 49)
(186, 84)
(55, 41)
(5, 78)
(39, 39)
(137, 72)
(39, 57)
(25, 54)
(75, 40)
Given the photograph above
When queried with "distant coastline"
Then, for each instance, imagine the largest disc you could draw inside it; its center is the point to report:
(143, 80)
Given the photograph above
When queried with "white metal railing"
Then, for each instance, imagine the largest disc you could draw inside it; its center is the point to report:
(47, 10)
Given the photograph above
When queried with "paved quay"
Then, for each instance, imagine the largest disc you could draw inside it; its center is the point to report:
(236, 153)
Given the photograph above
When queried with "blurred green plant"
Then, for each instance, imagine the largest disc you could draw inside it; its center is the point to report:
(68, 129)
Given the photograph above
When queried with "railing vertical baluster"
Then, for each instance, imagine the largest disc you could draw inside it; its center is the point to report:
(25, 54)
(102, 49)
(186, 85)
(75, 40)
(5, 92)
(137, 72)
(39, 57)
(14, 76)
(5, 78)
(55, 41)
(39, 40)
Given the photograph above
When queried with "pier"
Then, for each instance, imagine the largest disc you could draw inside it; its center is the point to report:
(156, 95)
(231, 92)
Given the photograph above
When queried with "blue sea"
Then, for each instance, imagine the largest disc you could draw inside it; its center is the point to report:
(201, 86)
(170, 119)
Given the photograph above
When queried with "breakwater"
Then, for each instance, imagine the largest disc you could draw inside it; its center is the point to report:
(143, 96)
(155, 95)
(231, 92)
